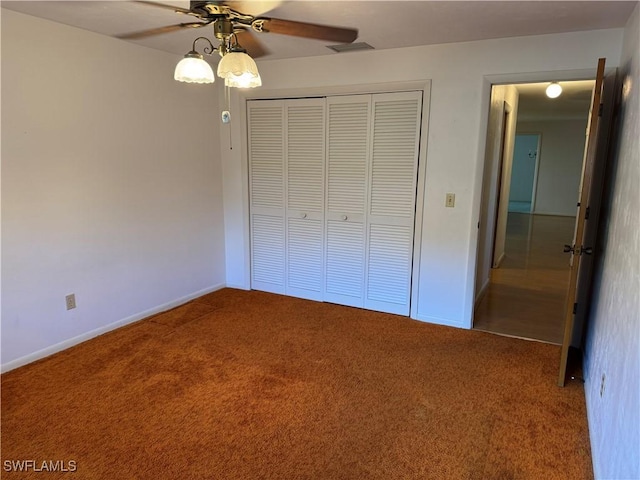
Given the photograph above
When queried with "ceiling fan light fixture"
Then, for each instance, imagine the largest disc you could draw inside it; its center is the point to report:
(553, 90)
(243, 81)
(239, 70)
(193, 69)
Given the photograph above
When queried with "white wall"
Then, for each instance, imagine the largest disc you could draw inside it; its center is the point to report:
(111, 185)
(510, 95)
(523, 170)
(560, 163)
(613, 342)
(461, 75)
(504, 100)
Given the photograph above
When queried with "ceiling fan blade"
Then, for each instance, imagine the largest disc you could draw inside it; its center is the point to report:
(160, 30)
(306, 30)
(251, 44)
(164, 5)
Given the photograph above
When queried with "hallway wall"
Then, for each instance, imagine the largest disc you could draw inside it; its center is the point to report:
(560, 163)
(613, 343)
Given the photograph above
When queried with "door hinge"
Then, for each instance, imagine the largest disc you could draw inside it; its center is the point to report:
(575, 308)
(586, 213)
(600, 109)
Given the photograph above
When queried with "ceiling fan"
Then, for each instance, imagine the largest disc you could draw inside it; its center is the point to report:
(230, 26)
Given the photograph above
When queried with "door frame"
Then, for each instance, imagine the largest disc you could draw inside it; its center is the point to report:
(475, 284)
(536, 168)
(501, 194)
(239, 112)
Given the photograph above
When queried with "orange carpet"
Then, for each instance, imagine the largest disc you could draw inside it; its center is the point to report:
(250, 385)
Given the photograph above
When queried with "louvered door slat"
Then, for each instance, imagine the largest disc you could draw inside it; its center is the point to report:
(305, 156)
(267, 253)
(345, 263)
(391, 214)
(394, 162)
(332, 197)
(348, 145)
(389, 264)
(304, 256)
(266, 155)
(266, 194)
(305, 165)
(347, 156)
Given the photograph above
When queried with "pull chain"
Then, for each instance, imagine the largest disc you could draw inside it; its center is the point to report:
(226, 116)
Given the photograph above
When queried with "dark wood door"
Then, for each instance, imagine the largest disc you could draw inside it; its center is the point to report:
(582, 247)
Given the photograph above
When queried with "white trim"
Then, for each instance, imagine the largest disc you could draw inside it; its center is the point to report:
(539, 77)
(392, 87)
(420, 195)
(487, 82)
(58, 347)
(439, 321)
(534, 187)
(500, 334)
(555, 214)
(481, 293)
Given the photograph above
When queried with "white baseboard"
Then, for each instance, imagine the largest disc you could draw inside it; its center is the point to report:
(556, 214)
(499, 261)
(482, 291)
(58, 347)
(439, 321)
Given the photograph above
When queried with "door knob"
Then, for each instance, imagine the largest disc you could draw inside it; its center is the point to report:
(344, 217)
(303, 215)
(578, 251)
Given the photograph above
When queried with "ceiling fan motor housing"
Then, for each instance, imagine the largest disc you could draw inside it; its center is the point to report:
(223, 28)
(208, 9)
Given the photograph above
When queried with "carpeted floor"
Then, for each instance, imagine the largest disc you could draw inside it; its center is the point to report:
(250, 385)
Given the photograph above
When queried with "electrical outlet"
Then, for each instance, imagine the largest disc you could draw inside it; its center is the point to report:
(450, 200)
(71, 301)
(602, 385)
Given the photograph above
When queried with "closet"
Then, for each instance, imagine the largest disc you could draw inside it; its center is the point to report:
(332, 186)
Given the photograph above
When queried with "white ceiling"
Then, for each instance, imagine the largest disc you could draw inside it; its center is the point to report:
(382, 24)
(573, 103)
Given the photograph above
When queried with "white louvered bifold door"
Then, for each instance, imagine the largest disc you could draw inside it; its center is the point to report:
(391, 207)
(305, 160)
(346, 198)
(267, 194)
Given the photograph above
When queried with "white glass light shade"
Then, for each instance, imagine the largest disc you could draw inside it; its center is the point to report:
(239, 70)
(554, 90)
(243, 81)
(193, 69)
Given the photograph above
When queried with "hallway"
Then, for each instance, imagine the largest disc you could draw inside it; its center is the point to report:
(526, 295)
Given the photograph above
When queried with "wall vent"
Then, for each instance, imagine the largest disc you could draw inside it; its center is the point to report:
(350, 47)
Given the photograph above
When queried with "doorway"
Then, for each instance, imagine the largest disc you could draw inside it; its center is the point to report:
(523, 174)
(523, 294)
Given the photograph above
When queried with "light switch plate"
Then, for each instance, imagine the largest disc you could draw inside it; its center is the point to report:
(450, 200)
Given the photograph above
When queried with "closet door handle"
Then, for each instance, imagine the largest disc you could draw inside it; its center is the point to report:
(303, 215)
(344, 217)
